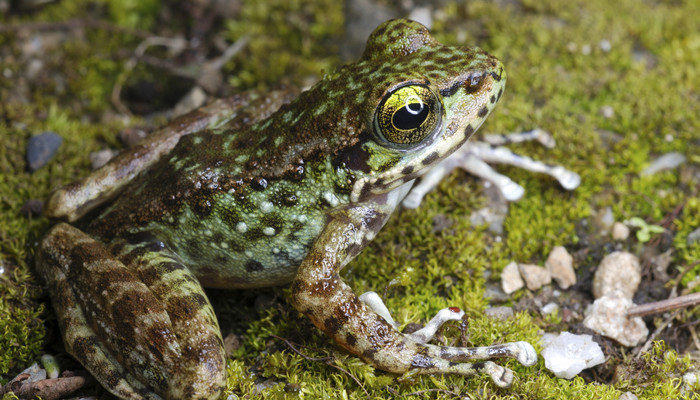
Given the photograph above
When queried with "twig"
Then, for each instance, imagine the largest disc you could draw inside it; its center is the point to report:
(657, 307)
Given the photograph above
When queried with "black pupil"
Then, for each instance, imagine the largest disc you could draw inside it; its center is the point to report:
(410, 117)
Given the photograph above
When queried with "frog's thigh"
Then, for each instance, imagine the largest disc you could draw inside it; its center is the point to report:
(122, 330)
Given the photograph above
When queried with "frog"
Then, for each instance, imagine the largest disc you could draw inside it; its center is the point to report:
(259, 190)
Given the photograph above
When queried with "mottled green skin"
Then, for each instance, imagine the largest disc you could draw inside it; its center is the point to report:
(250, 198)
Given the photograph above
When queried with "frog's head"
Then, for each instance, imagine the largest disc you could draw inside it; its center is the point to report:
(424, 100)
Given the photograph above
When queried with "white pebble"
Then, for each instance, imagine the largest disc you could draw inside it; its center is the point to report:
(567, 354)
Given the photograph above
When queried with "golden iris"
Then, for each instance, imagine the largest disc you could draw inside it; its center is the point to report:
(408, 115)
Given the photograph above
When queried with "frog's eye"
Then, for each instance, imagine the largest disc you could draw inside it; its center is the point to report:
(408, 115)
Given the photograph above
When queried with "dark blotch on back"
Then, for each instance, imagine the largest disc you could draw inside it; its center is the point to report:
(407, 170)
(253, 266)
(483, 112)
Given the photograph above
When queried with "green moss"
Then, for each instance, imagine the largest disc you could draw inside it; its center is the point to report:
(288, 42)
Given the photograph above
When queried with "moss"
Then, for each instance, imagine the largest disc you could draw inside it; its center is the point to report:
(294, 40)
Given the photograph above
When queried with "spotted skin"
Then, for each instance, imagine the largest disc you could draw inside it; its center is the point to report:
(258, 191)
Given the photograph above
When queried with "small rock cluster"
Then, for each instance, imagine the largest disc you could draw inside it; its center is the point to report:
(558, 266)
(614, 285)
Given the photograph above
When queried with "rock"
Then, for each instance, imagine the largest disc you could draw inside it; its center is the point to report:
(560, 265)
(511, 279)
(502, 313)
(132, 135)
(618, 271)
(567, 354)
(693, 237)
(627, 396)
(102, 157)
(194, 99)
(549, 308)
(608, 317)
(41, 148)
(605, 218)
(534, 276)
(666, 161)
(620, 231)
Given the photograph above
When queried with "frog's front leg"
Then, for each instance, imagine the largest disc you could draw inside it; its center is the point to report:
(473, 158)
(320, 294)
(134, 316)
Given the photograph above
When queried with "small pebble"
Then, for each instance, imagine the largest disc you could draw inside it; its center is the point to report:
(620, 231)
(693, 237)
(549, 308)
(535, 276)
(41, 148)
(566, 354)
(618, 272)
(627, 396)
(194, 99)
(132, 135)
(666, 161)
(607, 111)
(560, 265)
(502, 313)
(511, 279)
(102, 157)
(608, 317)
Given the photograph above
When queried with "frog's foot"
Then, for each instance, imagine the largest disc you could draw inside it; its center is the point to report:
(473, 158)
(453, 360)
(146, 330)
(424, 335)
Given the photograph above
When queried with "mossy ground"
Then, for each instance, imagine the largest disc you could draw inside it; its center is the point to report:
(562, 78)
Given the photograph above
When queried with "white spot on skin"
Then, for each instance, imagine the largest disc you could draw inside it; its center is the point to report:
(269, 231)
(223, 245)
(331, 199)
(241, 227)
(275, 250)
(248, 253)
(208, 233)
(266, 207)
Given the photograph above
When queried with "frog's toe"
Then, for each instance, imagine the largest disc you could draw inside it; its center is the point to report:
(500, 375)
(569, 180)
(427, 333)
(526, 354)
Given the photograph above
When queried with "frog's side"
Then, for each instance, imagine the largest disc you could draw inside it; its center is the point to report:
(238, 196)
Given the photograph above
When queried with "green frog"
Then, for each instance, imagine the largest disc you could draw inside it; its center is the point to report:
(254, 191)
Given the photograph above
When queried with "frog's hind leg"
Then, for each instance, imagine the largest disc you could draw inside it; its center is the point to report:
(143, 328)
